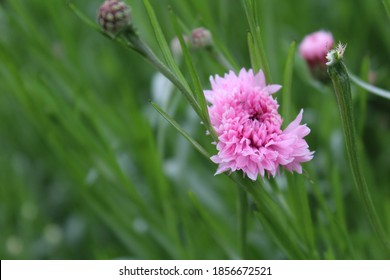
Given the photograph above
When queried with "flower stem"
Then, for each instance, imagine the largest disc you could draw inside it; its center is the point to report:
(242, 220)
(341, 83)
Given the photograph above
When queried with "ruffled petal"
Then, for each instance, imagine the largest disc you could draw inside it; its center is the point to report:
(245, 117)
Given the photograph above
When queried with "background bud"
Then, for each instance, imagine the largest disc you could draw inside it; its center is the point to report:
(114, 16)
(201, 37)
(314, 48)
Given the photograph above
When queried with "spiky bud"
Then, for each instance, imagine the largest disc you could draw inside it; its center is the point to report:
(201, 37)
(114, 16)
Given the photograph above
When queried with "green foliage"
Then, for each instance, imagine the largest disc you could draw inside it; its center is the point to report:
(341, 83)
(287, 82)
(90, 170)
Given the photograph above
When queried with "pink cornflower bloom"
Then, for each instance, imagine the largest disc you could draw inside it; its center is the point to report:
(315, 46)
(246, 120)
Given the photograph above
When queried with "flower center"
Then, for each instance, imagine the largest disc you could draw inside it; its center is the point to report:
(258, 116)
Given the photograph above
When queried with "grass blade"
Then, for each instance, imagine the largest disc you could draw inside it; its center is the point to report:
(287, 83)
(254, 56)
(386, 3)
(242, 220)
(273, 218)
(162, 42)
(179, 129)
(86, 19)
(170, 61)
(194, 76)
(370, 88)
(251, 14)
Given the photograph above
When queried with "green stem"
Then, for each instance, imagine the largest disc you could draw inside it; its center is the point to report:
(341, 83)
(242, 220)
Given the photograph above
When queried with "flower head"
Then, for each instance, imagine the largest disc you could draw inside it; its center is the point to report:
(315, 46)
(113, 16)
(250, 137)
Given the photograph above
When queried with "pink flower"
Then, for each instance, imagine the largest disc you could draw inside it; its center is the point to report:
(246, 120)
(315, 46)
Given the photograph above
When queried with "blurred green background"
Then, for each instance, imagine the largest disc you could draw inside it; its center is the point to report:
(88, 169)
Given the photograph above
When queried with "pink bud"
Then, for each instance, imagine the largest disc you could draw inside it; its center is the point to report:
(201, 37)
(314, 48)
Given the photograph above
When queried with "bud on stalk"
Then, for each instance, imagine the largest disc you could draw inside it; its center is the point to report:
(342, 88)
(114, 16)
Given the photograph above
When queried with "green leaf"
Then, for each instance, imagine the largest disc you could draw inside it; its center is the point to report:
(162, 42)
(272, 217)
(301, 209)
(194, 76)
(242, 221)
(253, 55)
(370, 88)
(342, 88)
(287, 83)
(258, 46)
(362, 97)
(386, 3)
(182, 132)
(177, 77)
(86, 19)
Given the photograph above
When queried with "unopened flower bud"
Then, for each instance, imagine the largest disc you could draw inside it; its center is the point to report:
(336, 54)
(114, 16)
(201, 37)
(314, 48)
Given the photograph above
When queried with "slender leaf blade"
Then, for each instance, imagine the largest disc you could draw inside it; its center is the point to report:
(370, 88)
(251, 14)
(253, 55)
(162, 42)
(181, 130)
(86, 19)
(194, 76)
(386, 3)
(287, 83)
